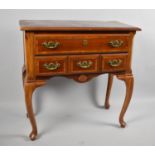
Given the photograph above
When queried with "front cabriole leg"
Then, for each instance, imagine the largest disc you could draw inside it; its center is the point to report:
(129, 82)
(29, 88)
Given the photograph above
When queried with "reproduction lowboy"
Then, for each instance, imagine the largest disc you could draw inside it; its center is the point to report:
(79, 50)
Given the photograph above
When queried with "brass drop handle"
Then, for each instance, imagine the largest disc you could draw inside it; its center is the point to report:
(51, 44)
(85, 64)
(52, 66)
(116, 43)
(115, 62)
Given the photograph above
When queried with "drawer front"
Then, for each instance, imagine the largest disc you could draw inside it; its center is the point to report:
(114, 62)
(50, 65)
(77, 64)
(79, 43)
(84, 64)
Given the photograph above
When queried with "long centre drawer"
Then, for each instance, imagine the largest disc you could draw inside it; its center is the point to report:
(80, 43)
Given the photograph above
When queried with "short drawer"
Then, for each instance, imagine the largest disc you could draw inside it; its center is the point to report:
(84, 64)
(52, 65)
(80, 43)
(114, 62)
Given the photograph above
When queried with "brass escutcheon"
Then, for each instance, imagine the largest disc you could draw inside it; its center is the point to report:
(85, 43)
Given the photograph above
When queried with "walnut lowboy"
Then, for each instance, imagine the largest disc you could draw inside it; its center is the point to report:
(77, 50)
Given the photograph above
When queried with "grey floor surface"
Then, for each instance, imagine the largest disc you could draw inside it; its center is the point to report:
(78, 121)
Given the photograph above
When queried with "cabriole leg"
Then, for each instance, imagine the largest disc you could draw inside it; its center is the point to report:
(29, 88)
(129, 82)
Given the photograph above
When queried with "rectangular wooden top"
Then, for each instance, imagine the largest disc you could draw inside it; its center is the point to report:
(66, 25)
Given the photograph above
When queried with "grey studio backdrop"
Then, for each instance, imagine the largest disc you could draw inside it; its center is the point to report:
(69, 113)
